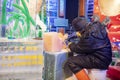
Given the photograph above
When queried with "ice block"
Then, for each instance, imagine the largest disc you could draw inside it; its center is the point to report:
(52, 42)
(53, 65)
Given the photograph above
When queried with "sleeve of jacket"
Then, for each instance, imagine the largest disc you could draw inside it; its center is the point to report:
(79, 50)
(75, 48)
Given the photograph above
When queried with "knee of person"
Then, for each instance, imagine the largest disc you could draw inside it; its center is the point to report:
(69, 64)
(66, 65)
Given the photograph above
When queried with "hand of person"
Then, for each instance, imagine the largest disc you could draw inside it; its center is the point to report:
(67, 46)
(65, 36)
(78, 34)
(69, 43)
(67, 49)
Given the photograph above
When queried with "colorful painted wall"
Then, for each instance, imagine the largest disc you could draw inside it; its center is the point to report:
(114, 26)
(115, 20)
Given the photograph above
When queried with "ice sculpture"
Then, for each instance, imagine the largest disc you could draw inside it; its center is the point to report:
(41, 14)
(52, 43)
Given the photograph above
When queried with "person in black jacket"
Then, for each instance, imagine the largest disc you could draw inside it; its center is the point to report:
(93, 49)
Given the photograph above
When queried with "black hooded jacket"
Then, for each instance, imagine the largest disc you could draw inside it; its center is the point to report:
(94, 41)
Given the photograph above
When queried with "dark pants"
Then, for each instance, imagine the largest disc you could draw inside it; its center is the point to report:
(76, 63)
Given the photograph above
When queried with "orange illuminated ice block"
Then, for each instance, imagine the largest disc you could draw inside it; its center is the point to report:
(114, 36)
(52, 42)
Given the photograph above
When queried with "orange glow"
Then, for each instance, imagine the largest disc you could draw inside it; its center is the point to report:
(114, 36)
(115, 20)
(113, 27)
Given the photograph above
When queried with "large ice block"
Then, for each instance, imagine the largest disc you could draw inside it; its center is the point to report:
(54, 62)
(20, 59)
(52, 43)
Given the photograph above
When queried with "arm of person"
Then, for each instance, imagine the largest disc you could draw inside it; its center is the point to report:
(80, 50)
(74, 47)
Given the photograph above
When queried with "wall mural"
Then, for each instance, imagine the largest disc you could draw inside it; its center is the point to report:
(104, 9)
(110, 8)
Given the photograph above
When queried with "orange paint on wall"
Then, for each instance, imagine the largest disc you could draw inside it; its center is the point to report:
(115, 20)
(113, 27)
